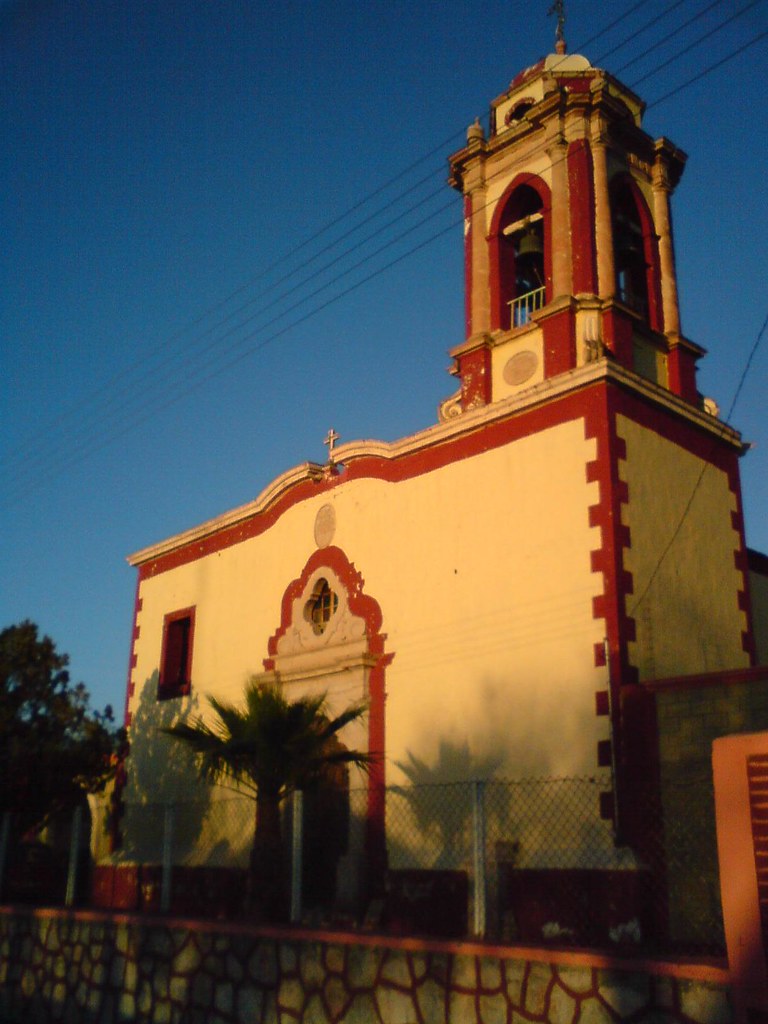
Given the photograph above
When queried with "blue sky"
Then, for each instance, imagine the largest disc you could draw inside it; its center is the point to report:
(166, 170)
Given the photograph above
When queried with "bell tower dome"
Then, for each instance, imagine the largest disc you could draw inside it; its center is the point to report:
(569, 255)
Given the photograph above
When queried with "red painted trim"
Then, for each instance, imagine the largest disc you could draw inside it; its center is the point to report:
(559, 330)
(741, 560)
(121, 778)
(414, 464)
(572, 84)
(169, 690)
(611, 606)
(522, 76)
(475, 373)
(469, 228)
(130, 685)
(581, 198)
(723, 457)
(360, 604)
(586, 402)
(617, 334)
(502, 289)
(650, 248)
(731, 677)
(711, 969)
(682, 373)
(598, 405)
(364, 607)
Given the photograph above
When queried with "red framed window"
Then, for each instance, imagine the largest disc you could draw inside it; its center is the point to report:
(176, 658)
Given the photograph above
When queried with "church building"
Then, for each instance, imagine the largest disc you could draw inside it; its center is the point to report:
(569, 529)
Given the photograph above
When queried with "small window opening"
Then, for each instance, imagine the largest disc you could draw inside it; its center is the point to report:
(175, 670)
(321, 607)
(518, 111)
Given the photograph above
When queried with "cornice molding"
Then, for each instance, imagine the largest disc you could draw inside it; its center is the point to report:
(470, 421)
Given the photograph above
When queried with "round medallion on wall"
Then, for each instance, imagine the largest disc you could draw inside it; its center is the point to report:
(521, 367)
(325, 526)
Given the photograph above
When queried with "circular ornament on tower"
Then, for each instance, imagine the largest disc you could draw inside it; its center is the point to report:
(325, 525)
(521, 367)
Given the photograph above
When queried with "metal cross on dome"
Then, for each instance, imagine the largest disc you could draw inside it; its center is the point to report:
(331, 438)
(558, 8)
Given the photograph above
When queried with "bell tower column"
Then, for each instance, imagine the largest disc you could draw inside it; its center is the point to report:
(606, 273)
(662, 187)
(561, 226)
(476, 255)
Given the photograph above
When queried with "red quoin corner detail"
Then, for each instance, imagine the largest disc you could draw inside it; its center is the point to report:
(617, 583)
(741, 560)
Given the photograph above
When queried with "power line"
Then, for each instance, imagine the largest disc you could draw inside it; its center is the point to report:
(670, 35)
(697, 42)
(169, 358)
(335, 298)
(700, 478)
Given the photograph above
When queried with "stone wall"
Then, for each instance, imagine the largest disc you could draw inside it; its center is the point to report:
(90, 968)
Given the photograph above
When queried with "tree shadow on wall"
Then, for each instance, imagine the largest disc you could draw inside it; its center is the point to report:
(161, 773)
(440, 801)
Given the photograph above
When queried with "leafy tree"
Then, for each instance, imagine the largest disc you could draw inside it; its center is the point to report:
(53, 748)
(270, 747)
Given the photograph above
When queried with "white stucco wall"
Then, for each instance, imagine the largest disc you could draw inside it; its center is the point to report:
(482, 572)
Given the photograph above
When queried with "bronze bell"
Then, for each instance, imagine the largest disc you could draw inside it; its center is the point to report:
(530, 243)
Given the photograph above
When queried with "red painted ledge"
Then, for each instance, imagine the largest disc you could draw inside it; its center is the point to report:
(726, 677)
(708, 969)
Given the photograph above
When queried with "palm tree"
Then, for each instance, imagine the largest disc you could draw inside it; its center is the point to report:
(270, 747)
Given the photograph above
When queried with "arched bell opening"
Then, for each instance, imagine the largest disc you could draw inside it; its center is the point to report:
(520, 255)
(635, 252)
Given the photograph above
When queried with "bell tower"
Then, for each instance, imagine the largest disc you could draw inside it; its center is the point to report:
(569, 255)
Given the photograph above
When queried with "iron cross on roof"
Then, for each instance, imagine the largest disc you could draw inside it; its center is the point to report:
(331, 438)
(558, 8)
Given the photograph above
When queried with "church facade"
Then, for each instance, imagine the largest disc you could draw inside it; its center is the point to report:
(569, 528)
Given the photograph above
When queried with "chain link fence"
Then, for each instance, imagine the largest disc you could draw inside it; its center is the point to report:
(528, 861)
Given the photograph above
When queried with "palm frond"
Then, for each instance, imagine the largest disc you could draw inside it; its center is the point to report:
(272, 744)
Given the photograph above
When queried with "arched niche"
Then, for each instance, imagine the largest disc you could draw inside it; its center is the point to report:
(520, 251)
(329, 641)
(635, 251)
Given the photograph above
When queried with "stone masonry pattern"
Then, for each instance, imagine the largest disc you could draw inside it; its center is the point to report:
(82, 969)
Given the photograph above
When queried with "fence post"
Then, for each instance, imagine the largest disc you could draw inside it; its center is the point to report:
(297, 849)
(165, 882)
(5, 838)
(74, 853)
(480, 888)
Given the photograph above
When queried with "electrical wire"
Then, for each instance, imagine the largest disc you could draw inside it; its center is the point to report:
(707, 465)
(697, 42)
(670, 35)
(170, 358)
(221, 368)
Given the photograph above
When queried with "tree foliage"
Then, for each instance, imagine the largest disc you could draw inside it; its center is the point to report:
(270, 746)
(53, 747)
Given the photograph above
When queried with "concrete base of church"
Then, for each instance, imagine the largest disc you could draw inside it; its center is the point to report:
(103, 969)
